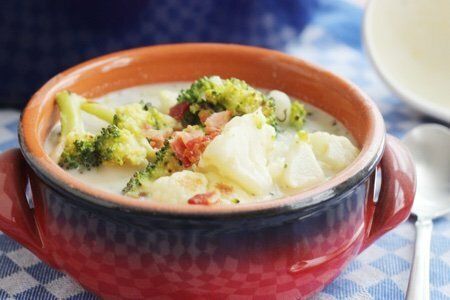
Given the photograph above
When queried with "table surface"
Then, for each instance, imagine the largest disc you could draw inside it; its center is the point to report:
(380, 272)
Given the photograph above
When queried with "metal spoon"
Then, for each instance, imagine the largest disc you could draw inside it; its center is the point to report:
(430, 148)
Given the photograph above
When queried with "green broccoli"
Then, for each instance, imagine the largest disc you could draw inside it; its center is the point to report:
(120, 146)
(99, 110)
(124, 141)
(165, 164)
(297, 115)
(76, 148)
(234, 95)
(137, 117)
(84, 150)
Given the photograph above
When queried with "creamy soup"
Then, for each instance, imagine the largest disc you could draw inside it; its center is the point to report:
(246, 160)
(410, 43)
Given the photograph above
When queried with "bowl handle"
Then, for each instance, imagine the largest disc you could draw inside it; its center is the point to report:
(398, 187)
(16, 217)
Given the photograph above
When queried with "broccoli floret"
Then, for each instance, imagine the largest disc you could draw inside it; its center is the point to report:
(297, 116)
(134, 117)
(120, 146)
(165, 164)
(78, 146)
(137, 116)
(234, 95)
(79, 152)
(99, 110)
(113, 144)
(124, 141)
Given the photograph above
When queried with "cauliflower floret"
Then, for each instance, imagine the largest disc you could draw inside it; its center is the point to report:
(240, 153)
(168, 99)
(277, 156)
(227, 191)
(178, 188)
(334, 152)
(301, 169)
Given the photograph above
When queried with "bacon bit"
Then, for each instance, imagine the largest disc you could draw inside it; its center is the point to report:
(189, 144)
(211, 135)
(224, 188)
(211, 131)
(157, 142)
(195, 148)
(157, 137)
(190, 152)
(203, 199)
(189, 133)
(217, 121)
(177, 112)
(204, 114)
(177, 146)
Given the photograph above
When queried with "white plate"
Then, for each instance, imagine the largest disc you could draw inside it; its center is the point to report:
(408, 42)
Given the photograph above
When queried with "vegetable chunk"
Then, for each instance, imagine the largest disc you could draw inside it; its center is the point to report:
(302, 170)
(76, 148)
(335, 152)
(297, 115)
(179, 187)
(165, 164)
(240, 153)
(120, 146)
(216, 94)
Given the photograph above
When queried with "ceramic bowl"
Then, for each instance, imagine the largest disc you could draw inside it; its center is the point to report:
(118, 247)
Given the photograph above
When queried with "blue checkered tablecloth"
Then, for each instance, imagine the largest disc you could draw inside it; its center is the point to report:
(332, 40)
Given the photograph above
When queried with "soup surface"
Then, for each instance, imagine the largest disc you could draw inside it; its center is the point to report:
(243, 158)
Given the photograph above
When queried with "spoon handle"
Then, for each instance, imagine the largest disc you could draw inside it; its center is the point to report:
(419, 281)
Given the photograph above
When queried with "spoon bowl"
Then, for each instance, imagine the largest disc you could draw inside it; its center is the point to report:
(429, 145)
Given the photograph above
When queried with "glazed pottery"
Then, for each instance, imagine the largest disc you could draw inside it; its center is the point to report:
(124, 248)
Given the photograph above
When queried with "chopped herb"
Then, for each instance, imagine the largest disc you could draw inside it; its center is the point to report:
(297, 116)
(235, 201)
(147, 105)
(303, 135)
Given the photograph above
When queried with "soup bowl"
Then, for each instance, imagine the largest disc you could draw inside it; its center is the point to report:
(119, 247)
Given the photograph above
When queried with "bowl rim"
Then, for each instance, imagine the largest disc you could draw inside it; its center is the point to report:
(60, 180)
(407, 96)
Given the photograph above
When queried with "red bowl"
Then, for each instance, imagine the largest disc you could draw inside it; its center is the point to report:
(118, 247)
